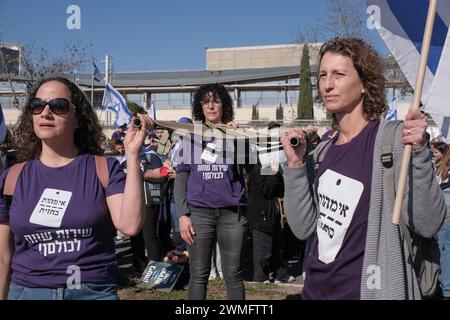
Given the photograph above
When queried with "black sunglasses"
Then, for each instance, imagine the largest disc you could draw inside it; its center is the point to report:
(58, 106)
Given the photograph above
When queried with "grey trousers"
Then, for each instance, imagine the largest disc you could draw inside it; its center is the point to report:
(228, 225)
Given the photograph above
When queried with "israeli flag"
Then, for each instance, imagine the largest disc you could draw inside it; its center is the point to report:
(392, 112)
(152, 111)
(96, 73)
(2, 126)
(401, 24)
(113, 101)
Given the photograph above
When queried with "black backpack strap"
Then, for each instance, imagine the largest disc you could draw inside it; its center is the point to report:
(321, 150)
(315, 158)
(387, 156)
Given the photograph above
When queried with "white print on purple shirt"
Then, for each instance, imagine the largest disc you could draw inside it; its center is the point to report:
(59, 241)
(212, 172)
(51, 208)
(338, 196)
(209, 155)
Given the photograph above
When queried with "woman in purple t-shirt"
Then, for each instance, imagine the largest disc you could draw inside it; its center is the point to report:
(208, 195)
(57, 230)
(357, 252)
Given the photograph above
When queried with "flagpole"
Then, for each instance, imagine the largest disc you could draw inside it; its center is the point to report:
(415, 106)
(107, 82)
(92, 85)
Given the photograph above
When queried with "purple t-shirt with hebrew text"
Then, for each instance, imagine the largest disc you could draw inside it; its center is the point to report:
(61, 223)
(334, 266)
(213, 178)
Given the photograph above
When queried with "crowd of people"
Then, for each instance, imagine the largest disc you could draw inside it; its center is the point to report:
(330, 204)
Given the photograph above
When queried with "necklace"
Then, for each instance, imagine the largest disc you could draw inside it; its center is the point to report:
(342, 139)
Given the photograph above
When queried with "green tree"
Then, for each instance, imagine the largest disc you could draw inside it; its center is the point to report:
(279, 113)
(305, 100)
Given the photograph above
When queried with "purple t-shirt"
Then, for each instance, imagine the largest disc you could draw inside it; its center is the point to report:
(334, 266)
(213, 179)
(59, 218)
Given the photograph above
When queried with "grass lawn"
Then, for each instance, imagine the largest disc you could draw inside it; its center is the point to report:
(216, 291)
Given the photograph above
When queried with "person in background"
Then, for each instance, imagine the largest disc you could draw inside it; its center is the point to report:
(162, 145)
(119, 134)
(265, 186)
(174, 159)
(119, 151)
(440, 149)
(159, 133)
(7, 151)
(152, 179)
(119, 154)
(443, 235)
(443, 168)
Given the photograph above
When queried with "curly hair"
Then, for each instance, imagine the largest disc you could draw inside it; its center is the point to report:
(88, 136)
(367, 63)
(218, 91)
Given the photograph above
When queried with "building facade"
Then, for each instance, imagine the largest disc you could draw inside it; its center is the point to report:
(262, 76)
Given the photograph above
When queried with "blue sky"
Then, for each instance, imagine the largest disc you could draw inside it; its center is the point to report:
(161, 35)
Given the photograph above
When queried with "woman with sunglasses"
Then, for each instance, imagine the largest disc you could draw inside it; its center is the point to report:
(57, 231)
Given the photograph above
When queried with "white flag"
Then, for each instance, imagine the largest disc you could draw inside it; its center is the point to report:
(402, 25)
(2, 126)
(96, 73)
(113, 101)
(438, 106)
(392, 112)
(76, 77)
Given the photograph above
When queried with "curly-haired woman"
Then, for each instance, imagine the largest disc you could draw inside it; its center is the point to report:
(209, 194)
(358, 253)
(57, 230)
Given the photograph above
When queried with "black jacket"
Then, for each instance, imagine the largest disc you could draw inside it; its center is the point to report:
(263, 191)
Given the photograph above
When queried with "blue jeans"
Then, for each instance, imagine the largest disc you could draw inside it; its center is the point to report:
(228, 225)
(444, 246)
(88, 291)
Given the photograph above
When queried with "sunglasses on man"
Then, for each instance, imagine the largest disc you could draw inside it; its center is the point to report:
(58, 106)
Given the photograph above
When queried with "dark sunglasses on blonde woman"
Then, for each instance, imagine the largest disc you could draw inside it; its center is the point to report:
(58, 106)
